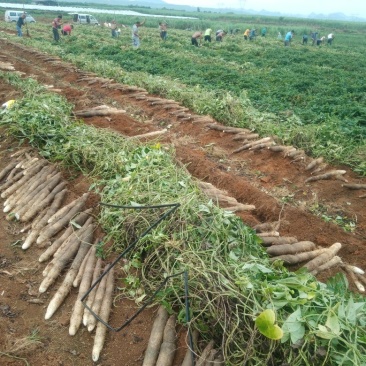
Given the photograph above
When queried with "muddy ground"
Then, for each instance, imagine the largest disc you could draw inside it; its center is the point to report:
(269, 180)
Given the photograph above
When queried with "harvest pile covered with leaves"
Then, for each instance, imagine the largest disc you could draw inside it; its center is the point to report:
(255, 310)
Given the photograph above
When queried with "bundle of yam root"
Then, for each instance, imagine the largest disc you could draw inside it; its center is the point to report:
(102, 110)
(315, 259)
(222, 198)
(162, 346)
(252, 142)
(34, 192)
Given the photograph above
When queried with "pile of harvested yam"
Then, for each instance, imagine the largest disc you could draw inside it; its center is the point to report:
(161, 348)
(315, 259)
(252, 142)
(34, 192)
(223, 199)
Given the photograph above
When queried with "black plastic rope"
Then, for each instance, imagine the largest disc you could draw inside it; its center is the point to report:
(174, 207)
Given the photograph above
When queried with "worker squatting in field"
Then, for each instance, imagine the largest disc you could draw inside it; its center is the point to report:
(196, 38)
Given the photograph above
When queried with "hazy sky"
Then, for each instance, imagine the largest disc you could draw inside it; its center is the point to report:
(348, 7)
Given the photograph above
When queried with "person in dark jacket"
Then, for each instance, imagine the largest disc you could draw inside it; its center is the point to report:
(20, 23)
(252, 35)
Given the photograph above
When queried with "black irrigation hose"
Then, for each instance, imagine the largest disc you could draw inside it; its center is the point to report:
(174, 207)
(188, 316)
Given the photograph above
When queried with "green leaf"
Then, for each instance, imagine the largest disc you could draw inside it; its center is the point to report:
(333, 324)
(293, 328)
(324, 333)
(265, 323)
(203, 208)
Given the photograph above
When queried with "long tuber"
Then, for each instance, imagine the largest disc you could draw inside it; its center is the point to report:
(324, 257)
(168, 347)
(104, 315)
(156, 337)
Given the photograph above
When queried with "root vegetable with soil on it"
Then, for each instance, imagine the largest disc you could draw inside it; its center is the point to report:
(354, 278)
(150, 134)
(156, 337)
(205, 353)
(314, 163)
(90, 298)
(97, 303)
(278, 240)
(301, 246)
(59, 263)
(291, 259)
(32, 236)
(189, 356)
(267, 226)
(86, 281)
(268, 234)
(168, 347)
(323, 258)
(252, 144)
(64, 210)
(56, 226)
(81, 271)
(104, 313)
(66, 286)
(335, 261)
(245, 136)
(354, 186)
(80, 219)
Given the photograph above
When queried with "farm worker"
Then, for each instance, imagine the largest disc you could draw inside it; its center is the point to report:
(252, 34)
(314, 37)
(330, 38)
(304, 39)
(135, 34)
(320, 41)
(114, 29)
(208, 33)
(20, 23)
(218, 31)
(56, 24)
(288, 37)
(163, 31)
(195, 36)
(66, 30)
(246, 34)
(219, 35)
(279, 36)
(264, 31)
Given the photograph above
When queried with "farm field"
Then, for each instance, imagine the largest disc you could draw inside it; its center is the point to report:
(261, 85)
(323, 212)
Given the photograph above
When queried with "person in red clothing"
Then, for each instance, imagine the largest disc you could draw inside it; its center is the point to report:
(56, 24)
(66, 30)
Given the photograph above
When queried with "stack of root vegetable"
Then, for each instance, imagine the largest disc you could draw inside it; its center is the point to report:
(291, 251)
(161, 347)
(223, 199)
(102, 110)
(34, 192)
(252, 141)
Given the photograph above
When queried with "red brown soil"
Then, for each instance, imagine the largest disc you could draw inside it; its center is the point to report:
(268, 180)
